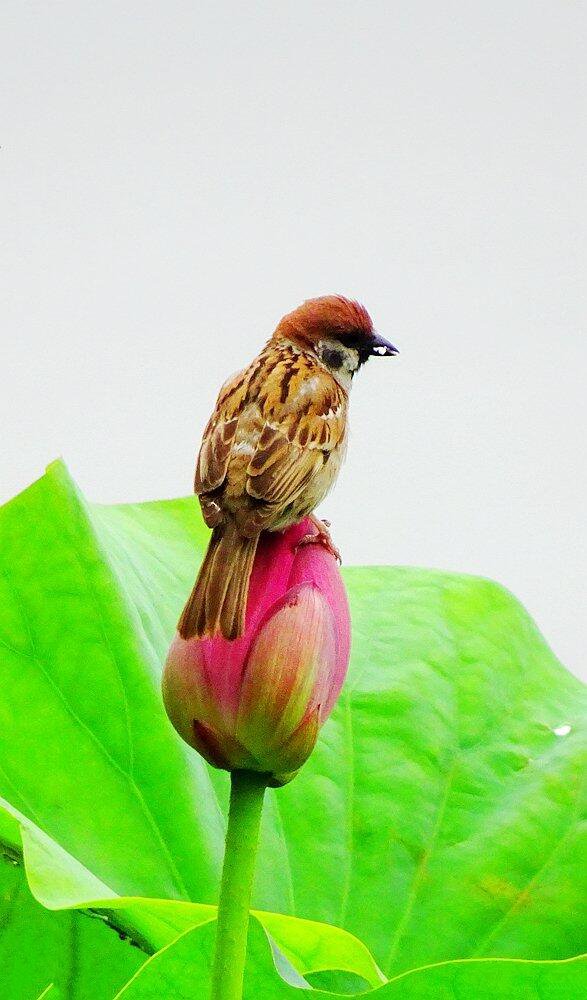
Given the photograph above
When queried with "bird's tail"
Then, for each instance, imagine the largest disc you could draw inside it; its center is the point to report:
(218, 601)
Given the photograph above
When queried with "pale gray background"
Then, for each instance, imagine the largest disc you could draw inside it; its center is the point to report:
(175, 176)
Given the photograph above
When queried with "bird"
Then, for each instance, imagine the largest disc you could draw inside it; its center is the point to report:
(273, 448)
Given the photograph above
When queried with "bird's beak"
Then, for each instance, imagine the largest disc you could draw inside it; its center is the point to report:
(381, 347)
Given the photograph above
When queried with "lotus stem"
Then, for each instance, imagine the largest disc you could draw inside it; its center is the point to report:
(247, 790)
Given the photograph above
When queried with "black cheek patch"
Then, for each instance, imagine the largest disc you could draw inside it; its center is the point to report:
(360, 343)
(332, 358)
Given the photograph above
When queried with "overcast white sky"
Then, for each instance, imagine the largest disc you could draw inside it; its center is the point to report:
(175, 177)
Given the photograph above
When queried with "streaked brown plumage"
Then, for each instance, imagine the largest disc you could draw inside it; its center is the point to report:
(273, 448)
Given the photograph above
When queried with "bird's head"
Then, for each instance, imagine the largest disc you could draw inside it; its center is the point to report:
(339, 331)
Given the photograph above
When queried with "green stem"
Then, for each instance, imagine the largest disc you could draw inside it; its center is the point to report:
(242, 837)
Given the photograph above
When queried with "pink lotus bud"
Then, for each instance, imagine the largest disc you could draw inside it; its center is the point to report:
(257, 703)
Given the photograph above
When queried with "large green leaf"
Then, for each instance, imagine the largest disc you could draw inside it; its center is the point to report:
(440, 816)
(60, 882)
(455, 766)
(78, 955)
(86, 749)
(182, 971)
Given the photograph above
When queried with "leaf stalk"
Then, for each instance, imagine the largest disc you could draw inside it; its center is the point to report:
(247, 791)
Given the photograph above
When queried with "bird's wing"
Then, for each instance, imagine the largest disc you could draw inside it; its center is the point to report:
(289, 414)
(214, 456)
(303, 410)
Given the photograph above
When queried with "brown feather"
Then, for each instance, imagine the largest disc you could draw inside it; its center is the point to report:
(271, 451)
(218, 601)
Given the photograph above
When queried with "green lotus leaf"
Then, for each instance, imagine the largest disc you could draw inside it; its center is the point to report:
(440, 816)
(183, 970)
(60, 882)
(62, 955)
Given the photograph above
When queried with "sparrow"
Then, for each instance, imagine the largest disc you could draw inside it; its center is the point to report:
(273, 448)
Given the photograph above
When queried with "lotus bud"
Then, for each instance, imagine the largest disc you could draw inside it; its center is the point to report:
(257, 702)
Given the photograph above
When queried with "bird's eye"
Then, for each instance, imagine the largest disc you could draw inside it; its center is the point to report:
(332, 358)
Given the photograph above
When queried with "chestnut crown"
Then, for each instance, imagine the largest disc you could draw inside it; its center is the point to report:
(330, 319)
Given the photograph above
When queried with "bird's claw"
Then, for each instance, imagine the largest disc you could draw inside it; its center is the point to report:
(320, 537)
